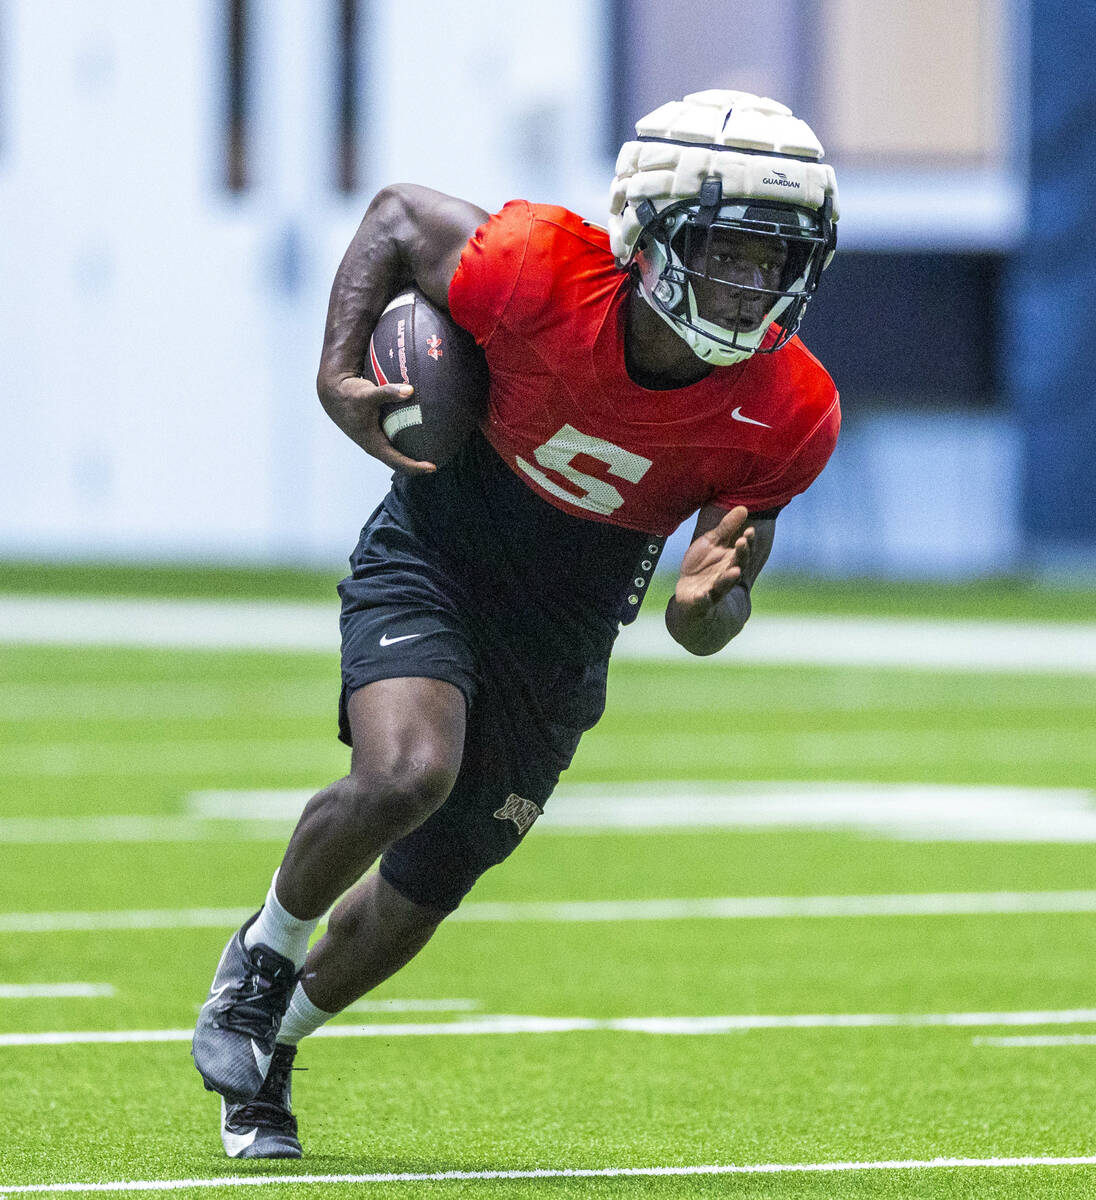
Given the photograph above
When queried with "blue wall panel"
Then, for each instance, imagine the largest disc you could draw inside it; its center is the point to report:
(1050, 290)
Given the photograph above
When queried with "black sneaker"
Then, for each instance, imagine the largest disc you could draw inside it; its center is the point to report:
(237, 1026)
(264, 1127)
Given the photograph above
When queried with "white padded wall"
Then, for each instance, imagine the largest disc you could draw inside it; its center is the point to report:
(131, 305)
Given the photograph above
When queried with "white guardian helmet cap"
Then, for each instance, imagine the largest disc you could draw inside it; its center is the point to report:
(722, 162)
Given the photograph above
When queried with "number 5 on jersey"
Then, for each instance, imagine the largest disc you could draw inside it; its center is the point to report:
(598, 495)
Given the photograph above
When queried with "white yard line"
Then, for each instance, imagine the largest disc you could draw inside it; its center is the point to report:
(386, 1006)
(1079, 1039)
(910, 1164)
(841, 641)
(724, 908)
(495, 1024)
(96, 1038)
(914, 811)
(915, 904)
(157, 918)
(909, 811)
(812, 640)
(50, 991)
(178, 624)
(39, 831)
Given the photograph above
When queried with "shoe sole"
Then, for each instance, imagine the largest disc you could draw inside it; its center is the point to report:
(279, 1152)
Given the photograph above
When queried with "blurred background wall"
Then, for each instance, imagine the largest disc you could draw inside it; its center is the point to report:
(178, 182)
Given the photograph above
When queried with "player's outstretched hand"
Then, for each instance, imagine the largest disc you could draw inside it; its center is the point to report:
(715, 562)
(355, 404)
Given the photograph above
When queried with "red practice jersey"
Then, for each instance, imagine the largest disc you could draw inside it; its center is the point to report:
(540, 291)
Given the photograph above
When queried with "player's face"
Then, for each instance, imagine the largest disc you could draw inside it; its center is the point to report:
(735, 276)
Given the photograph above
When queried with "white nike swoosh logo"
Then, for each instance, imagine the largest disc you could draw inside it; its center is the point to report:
(216, 994)
(235, 1143)
(737, 416)
(262, 1061)
(389, 641)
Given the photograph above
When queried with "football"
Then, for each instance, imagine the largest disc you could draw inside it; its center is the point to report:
(415, 342)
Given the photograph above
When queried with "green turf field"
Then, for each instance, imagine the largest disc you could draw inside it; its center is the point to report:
(95, 732)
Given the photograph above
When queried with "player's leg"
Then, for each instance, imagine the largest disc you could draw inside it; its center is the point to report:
(372, 933)
(408, 736)
(517, 743)
(408, 739)
(374, 930)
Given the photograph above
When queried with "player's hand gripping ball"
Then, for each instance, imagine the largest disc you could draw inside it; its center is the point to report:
(417, 343)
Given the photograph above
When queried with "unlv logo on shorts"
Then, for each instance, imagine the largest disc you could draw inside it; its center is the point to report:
(434, 344)
(521, 811)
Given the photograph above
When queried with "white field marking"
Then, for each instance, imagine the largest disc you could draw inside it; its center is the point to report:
(933, 812)
(907, 811)
(165, 757)
(49, 991)
(96, 1037)
(163, 918)
(1079, 1039)
(500, 1023)
(938, 645)
(182, 624)
(811, 640)
(385, 1006)
(909, 1164)
(247, 804)
(30, 831)
(726, 908)
(915, 904)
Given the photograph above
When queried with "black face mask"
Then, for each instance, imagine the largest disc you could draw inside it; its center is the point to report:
(695, 237)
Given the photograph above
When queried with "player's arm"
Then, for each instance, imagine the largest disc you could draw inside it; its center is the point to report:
(711, 602)
(409, 234)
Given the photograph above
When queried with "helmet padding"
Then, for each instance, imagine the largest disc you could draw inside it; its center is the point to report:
(735, 160)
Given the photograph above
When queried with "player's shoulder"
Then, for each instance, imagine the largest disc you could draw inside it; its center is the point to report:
(546, 229)
(814, 413)
(530, 262)
(815, 401)
(566, 261)
(802, 383)
(554, 220)
(793, 394)
(542, 238)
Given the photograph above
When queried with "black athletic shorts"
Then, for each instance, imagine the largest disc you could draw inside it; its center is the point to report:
(526, 714)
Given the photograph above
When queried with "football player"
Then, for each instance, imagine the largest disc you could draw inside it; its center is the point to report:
(637, 376)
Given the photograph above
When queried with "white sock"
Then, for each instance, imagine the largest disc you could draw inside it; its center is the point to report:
(280, 930)
(301, 1018)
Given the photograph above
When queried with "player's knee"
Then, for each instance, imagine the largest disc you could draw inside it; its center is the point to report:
(400, 798)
